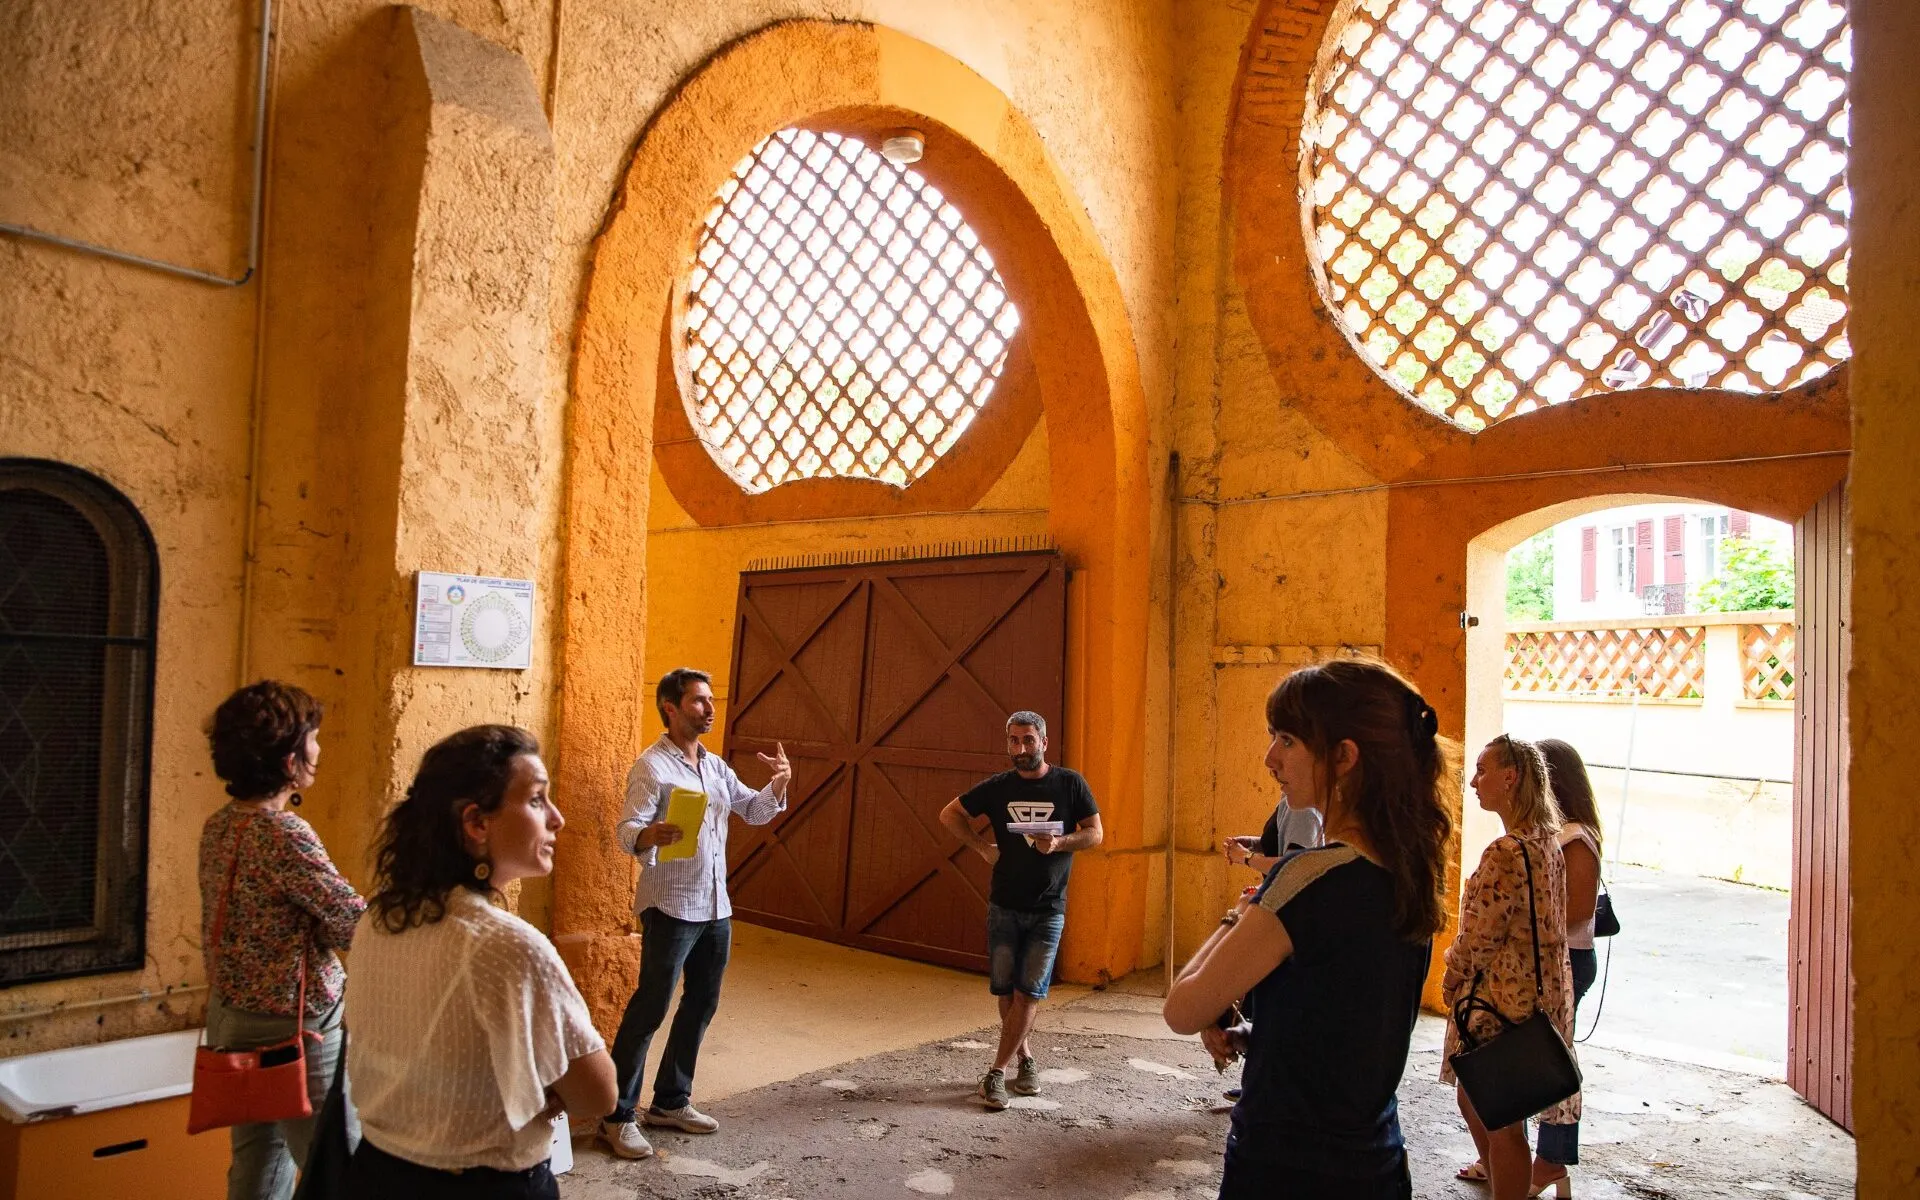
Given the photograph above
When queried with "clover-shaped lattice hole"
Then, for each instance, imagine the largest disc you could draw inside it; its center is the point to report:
(1522, 202)
(842, 319)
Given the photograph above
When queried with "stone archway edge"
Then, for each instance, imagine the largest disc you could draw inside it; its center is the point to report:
(1087, 367)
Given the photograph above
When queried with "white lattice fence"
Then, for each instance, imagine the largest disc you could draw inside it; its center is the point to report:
(1766, 661)
(1668, 662)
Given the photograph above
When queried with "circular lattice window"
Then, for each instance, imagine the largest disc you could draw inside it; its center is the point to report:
(1522, 202)
(842, 319)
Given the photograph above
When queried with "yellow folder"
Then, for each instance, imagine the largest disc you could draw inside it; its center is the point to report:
(686, 809)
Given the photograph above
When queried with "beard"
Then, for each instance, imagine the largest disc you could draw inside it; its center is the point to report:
(1026, 762)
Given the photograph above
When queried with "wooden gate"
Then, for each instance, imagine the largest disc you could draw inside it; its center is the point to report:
(890, 685)
(1819, 939)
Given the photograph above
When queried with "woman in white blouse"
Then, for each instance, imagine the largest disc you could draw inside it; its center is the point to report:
(468, 1036)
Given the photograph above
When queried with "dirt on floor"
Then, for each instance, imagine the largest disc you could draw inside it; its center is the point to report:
(1142, 1119)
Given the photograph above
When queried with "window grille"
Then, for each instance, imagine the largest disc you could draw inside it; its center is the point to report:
(77, 586)
(842, 319)
(1522, 202)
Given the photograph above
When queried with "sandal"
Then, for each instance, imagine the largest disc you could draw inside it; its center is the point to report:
(1473, 1172)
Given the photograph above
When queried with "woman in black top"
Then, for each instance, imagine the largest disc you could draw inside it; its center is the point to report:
(1335, 944)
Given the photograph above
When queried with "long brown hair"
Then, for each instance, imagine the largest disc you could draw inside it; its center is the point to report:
(1572, 790)
(1404, 787)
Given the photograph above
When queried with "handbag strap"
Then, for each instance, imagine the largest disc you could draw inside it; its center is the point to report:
(220, 925)
(1533, 922)
(1471, 1002)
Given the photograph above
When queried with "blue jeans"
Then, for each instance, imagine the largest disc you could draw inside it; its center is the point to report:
(1561, 1143)
(670, 947)
(1020, 950)
(267, 1155)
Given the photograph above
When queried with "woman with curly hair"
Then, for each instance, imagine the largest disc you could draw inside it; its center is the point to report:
(1334, 945)
(272, 910)
(469, 1036)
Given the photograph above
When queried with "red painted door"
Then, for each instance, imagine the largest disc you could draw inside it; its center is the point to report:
(1819, 941)
(890, 685)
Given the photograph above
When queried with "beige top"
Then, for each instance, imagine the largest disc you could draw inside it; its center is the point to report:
(1580, 937)
(458, 1029)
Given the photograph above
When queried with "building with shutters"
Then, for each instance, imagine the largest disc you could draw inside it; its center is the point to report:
(1649, 559)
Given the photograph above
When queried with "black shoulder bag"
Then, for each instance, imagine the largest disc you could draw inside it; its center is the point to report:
(1525, 1068)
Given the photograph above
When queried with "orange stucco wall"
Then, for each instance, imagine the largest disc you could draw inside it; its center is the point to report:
(302, 444)
(1885, 532)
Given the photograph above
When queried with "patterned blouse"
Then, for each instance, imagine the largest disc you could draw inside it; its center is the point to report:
(287, 900)
(1495, 949)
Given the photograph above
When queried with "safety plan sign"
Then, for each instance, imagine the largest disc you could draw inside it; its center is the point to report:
(472, 621)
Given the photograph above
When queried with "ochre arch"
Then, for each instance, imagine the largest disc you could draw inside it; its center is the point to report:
(1775, 454)
(849, 76)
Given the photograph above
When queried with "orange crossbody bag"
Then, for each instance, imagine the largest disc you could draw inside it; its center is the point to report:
(241, 1087)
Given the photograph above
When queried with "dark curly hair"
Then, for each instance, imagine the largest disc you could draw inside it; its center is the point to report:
(422, 854)
(254, 730)
(1405, 786)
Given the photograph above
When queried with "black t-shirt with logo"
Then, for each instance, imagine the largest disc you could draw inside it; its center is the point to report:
(1025, 879)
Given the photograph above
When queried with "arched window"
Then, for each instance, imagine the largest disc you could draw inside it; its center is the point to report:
(78, 578)
(1522, 202)
(841, 319)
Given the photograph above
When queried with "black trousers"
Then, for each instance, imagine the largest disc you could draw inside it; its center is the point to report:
(377, 1175)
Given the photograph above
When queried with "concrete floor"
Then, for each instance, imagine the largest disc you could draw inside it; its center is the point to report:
(1698, 973)
(791, 1005)
(840, 1073)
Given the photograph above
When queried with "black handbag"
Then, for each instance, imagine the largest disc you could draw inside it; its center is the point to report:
(1525, 1068)
(324, 1175)
(1605, 922)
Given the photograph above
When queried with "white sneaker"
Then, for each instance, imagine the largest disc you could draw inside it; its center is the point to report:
(686, 1118)
(625, 1139)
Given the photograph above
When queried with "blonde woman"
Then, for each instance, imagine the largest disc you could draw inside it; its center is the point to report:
(1493, 955)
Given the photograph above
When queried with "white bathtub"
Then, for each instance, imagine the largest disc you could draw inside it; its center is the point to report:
(84, 1079)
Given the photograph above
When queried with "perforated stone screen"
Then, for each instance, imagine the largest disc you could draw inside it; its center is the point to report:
(1522, 202)
(842, 319)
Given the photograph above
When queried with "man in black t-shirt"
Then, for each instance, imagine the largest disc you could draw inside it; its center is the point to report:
(1038, 814)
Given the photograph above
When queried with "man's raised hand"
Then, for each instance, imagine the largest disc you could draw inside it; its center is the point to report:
(782, 769)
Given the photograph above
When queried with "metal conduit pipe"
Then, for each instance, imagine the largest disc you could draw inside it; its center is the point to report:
(253, 224)
(144, 995)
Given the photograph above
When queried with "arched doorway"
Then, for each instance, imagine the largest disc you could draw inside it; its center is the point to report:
(852, 79)
(1711, 699)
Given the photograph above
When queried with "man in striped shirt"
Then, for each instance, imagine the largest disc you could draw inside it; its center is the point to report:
(685, 916)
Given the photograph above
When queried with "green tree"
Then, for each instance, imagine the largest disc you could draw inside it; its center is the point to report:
(1530, 579)
(1753, 575)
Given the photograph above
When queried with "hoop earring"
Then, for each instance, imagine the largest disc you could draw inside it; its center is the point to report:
(294, 800)
(482, 870)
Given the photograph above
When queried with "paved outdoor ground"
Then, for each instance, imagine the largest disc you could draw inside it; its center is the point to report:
(1699, 972)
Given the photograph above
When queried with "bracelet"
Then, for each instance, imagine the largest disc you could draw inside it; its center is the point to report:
(1230, 920)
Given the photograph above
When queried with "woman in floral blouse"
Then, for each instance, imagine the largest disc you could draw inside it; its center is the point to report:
(286, 910)
(1494, 948)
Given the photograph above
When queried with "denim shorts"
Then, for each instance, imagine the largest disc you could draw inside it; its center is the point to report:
(1020, 950)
